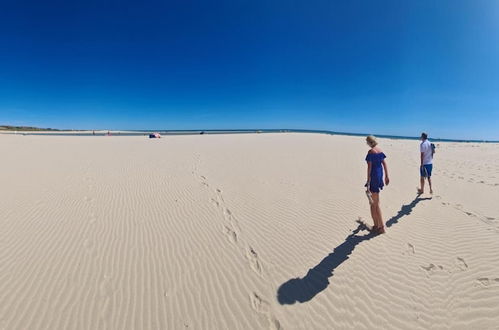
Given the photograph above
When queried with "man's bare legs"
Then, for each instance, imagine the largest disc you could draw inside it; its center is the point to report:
(421, 190)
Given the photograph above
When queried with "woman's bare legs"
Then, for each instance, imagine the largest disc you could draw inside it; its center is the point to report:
(376, 214)
(381, 224)
(374, 209)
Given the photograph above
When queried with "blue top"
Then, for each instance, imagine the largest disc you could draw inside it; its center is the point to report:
(376, 171)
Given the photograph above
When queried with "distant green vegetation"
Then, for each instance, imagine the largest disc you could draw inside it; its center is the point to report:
(24, 128)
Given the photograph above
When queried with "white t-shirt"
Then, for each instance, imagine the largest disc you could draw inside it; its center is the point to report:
(425, 148)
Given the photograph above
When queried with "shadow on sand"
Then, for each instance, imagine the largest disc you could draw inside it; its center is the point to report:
(317, 278)
(405, 210)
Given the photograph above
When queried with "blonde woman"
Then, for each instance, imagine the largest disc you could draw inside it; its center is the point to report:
(375, 163)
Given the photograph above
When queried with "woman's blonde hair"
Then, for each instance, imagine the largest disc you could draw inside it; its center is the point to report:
(371, 141)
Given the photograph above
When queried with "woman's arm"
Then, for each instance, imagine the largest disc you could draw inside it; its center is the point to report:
(387, 178)
(369, 165)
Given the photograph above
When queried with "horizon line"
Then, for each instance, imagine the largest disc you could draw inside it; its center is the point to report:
(40, 131)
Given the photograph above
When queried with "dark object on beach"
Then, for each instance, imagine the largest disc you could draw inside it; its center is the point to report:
(154, 136)
(202, 132)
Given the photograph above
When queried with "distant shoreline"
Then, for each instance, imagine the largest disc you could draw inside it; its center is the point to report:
(9, 128)
(42, 131)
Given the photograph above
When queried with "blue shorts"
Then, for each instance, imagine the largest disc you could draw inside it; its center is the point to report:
(425, 170)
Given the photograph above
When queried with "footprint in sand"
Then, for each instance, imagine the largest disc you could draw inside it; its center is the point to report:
(254, 260)
(258, 304)
(461, 264)
(485, 281)
(232, 220)
(219, 195)
(263, 307)
(231, 234)
(410, 249)
(431, 269)
(228, 215)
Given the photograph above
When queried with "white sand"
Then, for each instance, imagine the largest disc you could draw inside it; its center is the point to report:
(243, 232)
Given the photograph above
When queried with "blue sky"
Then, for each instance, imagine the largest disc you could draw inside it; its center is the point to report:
(382, 67)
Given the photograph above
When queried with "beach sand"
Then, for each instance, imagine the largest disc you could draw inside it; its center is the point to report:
(246, 231)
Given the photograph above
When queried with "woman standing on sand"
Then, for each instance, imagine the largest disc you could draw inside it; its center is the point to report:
(375, 163)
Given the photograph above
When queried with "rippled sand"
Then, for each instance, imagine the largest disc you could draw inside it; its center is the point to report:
(245, 231)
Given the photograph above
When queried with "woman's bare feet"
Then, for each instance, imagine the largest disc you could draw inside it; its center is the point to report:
(378, 230)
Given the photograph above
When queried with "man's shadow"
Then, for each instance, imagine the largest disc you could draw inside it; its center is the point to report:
(317, 278)
(405, 210)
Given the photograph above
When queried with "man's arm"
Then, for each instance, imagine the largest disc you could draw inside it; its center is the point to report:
(422, 156)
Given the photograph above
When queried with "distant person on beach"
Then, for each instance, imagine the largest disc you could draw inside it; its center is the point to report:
(375, 163)
(427, 150)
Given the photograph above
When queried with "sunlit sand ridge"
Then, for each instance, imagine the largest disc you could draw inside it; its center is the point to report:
(249, 231)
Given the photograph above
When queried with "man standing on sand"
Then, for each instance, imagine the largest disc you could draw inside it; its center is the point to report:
(426, 149)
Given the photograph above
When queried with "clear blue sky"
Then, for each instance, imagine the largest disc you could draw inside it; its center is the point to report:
(382, 67)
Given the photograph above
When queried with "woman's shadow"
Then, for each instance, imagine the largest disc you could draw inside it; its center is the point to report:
(317, 278)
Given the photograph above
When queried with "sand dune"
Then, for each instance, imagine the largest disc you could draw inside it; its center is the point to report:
(249, 231)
